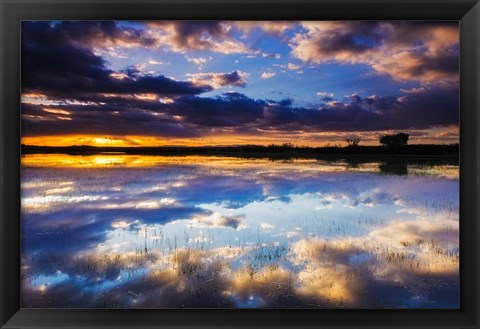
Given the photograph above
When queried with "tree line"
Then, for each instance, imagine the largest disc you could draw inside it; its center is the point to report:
(394, 140)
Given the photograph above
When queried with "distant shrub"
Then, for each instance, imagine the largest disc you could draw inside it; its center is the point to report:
(394, 140)
(353, 142)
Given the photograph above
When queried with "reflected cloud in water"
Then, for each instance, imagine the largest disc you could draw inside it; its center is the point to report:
(159, 232)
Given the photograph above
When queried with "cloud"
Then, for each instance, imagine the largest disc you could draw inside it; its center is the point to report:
(271, 55)
(108, 37)
(267, 75)
(407, 65)
(229, 110)
(292, 66)
(56, 64)
(185, 36)
(99, 34)
(271, 27)
(198, 60)
(266, 226)
(406, 51)
(341, 41)
(428, 108)
(384, 263)
(218, 220)
(326, 96)
(421, 108)
(218, 80)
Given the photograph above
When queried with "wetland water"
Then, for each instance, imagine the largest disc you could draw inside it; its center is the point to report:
(126, 231)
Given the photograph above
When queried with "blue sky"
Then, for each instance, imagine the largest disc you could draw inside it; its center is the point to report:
(305, 80)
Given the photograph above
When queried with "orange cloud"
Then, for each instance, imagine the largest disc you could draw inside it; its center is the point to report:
(401, 50)
(271, 27)
(185, 36)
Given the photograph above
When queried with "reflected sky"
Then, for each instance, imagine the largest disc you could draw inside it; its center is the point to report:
(158, 232)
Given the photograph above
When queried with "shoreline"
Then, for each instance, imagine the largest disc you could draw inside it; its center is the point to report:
(411, 152)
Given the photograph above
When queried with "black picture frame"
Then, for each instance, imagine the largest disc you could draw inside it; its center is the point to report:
(14, 11)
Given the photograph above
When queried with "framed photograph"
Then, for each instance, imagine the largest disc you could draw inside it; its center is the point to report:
(240, 164)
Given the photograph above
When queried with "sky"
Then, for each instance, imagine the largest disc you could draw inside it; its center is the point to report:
(192, 83)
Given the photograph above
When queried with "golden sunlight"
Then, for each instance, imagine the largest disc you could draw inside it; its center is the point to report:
(108, 141)
(443, 135)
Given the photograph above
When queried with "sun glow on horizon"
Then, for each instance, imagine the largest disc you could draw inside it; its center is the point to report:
(107, 141)
(441, 135)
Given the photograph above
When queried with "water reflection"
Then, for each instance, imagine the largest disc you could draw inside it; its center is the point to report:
(155, 232)
(394, 168)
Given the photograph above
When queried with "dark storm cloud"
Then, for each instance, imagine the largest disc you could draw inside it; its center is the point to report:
(328, 99)
(230, 110)
(93, 119)
(445, 63)
(191, 116)
(357, 38)
(98, 32)
(233, 79)
(282, 102)
(58, 63)
(409, 32)
(379, 104)
(420, 109)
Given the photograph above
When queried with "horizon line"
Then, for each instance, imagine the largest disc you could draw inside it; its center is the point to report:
(282, 145)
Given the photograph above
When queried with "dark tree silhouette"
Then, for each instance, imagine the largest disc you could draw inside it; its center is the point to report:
(394, 140)
(288, 145)
(352, 142)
